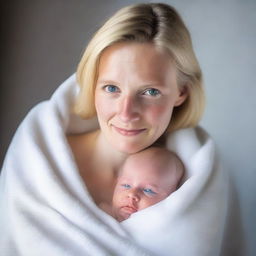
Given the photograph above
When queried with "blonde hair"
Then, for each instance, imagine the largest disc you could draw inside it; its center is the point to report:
(155, 23)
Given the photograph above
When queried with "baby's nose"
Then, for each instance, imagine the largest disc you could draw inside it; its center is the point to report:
(133, 195)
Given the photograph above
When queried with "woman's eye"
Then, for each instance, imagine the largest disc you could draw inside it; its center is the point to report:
(152, 92)
(149, 191)
(126, 186)
(111, 88)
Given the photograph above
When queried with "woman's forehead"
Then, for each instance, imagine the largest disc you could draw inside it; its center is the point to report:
(134, 53)
(143, 60)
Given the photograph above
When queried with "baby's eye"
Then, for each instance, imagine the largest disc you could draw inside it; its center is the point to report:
(149, 191)
(111, 88)
(127, 186)
(152, 92)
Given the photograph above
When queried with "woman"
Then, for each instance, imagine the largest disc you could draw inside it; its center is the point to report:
(140, 81)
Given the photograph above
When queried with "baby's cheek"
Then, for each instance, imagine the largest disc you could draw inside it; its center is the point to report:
(146, 202)
(119, 196)
(154, 200)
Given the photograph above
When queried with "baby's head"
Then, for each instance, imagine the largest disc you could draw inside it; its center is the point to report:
(145, 179)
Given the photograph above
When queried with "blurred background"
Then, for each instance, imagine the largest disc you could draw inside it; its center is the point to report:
(42, 42)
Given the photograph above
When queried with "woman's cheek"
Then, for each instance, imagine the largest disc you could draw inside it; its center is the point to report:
(160, 112)
(103, 107)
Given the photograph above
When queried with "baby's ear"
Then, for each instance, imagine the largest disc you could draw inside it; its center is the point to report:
(183, 94)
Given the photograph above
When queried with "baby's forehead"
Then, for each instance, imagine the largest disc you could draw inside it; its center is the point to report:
(154, 161)
(154, 158)
(142, 170)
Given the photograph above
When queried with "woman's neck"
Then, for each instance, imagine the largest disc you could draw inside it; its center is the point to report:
(103, 165)
(104, 153)
(98, 163)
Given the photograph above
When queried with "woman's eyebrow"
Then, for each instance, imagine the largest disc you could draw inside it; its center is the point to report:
(143, 84)
(106, 81)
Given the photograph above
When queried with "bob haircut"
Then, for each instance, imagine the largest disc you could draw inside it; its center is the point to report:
(155, 23)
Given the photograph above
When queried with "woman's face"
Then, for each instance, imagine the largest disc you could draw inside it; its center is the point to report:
(135, 94)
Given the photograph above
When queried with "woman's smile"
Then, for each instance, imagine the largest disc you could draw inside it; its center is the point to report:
(128, 132)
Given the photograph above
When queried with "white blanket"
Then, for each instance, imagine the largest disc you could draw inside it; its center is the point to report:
(47, 210)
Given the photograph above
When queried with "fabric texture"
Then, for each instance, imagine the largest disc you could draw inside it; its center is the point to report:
(47, 210)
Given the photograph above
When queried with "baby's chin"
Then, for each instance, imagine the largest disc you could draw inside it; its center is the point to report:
(122, 218)
(122, 214)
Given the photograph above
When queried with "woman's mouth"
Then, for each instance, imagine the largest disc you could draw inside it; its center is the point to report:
(128, 132)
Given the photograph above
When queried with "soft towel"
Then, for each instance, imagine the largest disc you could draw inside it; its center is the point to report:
(47, 210)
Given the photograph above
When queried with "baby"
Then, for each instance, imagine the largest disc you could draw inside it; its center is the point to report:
(145, 179)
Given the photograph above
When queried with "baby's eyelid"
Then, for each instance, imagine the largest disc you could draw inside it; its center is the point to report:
(149, 191)
(125, 185)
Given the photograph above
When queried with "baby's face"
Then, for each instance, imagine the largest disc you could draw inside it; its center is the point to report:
(140, 187)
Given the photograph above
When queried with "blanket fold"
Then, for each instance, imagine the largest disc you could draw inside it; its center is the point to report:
(46, 208)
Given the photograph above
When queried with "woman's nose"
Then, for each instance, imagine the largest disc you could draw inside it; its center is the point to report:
(128, 109)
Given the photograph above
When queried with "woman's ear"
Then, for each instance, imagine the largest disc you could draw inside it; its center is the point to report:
(183, 94)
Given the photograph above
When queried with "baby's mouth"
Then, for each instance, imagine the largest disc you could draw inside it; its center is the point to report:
(129, 209)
